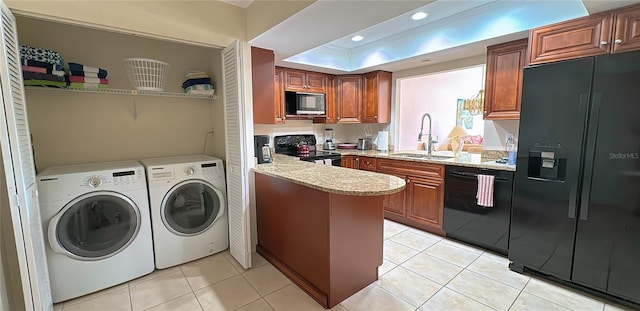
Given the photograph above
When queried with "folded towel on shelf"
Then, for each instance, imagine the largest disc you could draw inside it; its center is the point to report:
(34, 69)
(80, 79)
(35, 63)
(88, 86)
(29, 53)
(199, 87)
(196, 75)
(85, 68)
(29, 75)
(485, 190)
(200, 92)
(191, 82)
(88, 74)
(34, 82)
(58, 73)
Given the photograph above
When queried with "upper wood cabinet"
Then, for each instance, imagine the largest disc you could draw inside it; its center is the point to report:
(607, 32)
(626, 36)
(348, 98)
(503, 86)
(305, 81)
(330, 100)
(268, 106)
(279, 96)
(376, 107)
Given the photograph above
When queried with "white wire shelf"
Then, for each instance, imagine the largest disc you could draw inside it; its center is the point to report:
(123, 92)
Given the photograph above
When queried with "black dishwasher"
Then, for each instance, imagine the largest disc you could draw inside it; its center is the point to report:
(465, 220)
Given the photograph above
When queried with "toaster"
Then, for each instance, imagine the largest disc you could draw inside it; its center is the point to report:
(364, 144)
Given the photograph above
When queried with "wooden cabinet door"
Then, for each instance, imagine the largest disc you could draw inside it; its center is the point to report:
(316, 82)
(627, 30)
(294, 80)
(349, 98)
(395, 203)
(330, 99)
(263, 86)
(349, 161)
(279, 96)
(503, 87)
(581, 37)
(425, 201)
(376, 107)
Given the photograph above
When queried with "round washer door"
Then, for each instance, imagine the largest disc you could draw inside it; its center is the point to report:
(191, 207)
(95, 226)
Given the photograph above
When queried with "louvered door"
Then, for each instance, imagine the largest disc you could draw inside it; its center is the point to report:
(238, 129)
(20, 172)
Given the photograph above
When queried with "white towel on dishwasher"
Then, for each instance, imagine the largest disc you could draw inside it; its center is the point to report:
(327, 161)
(485, 190)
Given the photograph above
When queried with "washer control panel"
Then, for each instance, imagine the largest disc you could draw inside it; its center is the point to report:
(212, 169)
(116, 178)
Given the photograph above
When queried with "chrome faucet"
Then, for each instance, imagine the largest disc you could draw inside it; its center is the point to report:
(430, 140)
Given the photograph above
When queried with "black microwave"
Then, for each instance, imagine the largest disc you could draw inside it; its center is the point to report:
(300, 103)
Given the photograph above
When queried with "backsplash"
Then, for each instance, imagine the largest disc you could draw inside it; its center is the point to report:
(343, 133)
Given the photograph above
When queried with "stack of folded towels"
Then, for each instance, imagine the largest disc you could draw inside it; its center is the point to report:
(42, 67)
(198, 82)
(87, 77)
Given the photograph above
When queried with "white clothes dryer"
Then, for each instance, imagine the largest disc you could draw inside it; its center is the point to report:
(187, 196)
(96, 221)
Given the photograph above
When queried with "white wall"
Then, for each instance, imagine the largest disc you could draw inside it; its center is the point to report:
(70, 127)
(343, 133)
(436, 94)
(494, 131)
(208, 23)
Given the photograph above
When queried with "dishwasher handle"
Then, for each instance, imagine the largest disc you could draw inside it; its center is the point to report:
(473, 176)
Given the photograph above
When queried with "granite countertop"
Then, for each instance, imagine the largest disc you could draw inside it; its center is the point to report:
(466, 159)
(332, 179)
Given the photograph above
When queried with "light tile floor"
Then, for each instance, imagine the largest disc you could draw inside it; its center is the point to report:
(421, 271)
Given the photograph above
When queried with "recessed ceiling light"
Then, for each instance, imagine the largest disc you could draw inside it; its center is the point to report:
(418, 16)
(357, 38)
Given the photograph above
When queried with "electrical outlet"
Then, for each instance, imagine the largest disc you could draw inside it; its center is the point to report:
(509, 138)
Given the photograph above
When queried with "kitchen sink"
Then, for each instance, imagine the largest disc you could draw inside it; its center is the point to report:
(422, 156)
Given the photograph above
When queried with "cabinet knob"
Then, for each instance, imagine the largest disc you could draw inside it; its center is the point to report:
(618, 41)
(604, 42)
(375, 117)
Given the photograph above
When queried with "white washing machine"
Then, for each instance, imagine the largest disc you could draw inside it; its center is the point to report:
(98, 227)
(187, 196)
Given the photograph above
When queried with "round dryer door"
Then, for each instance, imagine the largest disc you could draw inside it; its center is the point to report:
(95, 226)
(191, 207)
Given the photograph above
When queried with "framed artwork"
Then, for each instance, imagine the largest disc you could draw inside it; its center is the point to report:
(463, 117)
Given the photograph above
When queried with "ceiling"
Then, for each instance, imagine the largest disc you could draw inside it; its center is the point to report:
(319, 36)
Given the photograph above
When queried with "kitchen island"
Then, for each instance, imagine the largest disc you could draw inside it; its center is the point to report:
(322, 226)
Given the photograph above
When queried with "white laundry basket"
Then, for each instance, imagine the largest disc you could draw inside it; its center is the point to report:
(147, 74)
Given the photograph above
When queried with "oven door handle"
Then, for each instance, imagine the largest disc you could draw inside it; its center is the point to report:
(472, 175)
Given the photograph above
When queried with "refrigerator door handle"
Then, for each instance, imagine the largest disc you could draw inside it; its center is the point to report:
(590, 156)
(573, 191)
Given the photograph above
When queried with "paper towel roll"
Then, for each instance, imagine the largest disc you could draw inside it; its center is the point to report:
(383, 141)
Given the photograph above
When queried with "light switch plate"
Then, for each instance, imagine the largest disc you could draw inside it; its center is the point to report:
(509, 137)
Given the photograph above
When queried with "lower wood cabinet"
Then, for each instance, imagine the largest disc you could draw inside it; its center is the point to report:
(349, 161)
(421, 203)
(425, 201)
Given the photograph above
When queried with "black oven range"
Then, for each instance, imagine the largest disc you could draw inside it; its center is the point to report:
(291, 145)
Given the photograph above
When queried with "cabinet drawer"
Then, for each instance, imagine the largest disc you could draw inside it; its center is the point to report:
(368, 164)
(400, 167)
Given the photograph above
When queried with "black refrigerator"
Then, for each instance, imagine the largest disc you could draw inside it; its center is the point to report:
(576, 201)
